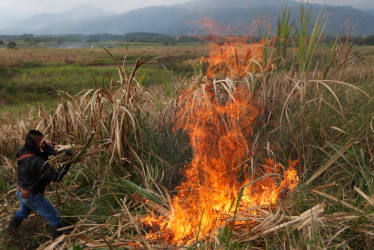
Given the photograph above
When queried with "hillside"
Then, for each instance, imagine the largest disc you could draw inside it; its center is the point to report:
(47, 22)
(370, 12)
(217, 4)
(183, 19)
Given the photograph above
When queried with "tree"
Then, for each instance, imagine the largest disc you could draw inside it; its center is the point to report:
(1, 42)
(12, 45)
(370, 40)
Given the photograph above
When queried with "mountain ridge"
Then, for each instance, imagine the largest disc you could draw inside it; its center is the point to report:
(369, 11)
(183, 19)
(42, 21)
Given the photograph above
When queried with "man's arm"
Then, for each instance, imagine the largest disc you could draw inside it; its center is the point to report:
(48, 150)
(50, 174)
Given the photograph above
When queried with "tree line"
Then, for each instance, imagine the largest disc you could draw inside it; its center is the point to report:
(11, 40)
(97, 38)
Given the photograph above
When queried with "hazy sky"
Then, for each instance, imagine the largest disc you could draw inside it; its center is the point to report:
(18, 9)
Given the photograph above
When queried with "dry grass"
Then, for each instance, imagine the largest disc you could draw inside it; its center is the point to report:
(313, 227)
(12, 137)
(116, 116)
(14, 58)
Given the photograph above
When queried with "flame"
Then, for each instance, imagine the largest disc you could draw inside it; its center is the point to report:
(235, 59)
(219, 118)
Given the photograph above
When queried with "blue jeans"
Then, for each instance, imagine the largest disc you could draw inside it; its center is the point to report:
(39, 204)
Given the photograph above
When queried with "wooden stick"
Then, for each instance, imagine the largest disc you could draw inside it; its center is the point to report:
(83, 150)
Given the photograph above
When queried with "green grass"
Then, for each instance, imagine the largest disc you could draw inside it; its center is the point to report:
(32, 84)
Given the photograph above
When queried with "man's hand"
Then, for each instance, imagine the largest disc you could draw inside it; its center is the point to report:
(67, 152)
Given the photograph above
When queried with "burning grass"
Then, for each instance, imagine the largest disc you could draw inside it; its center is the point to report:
(219, 127)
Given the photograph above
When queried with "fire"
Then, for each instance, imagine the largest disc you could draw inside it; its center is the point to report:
(232, 56)
(235, 58)
(219, 118)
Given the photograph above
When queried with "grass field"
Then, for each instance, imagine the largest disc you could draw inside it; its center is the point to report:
(31, 76)
(309, 103)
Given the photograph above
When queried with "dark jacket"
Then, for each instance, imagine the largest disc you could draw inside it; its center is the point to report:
(34, 173)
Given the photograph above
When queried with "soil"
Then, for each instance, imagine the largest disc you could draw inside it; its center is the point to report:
(32, 233)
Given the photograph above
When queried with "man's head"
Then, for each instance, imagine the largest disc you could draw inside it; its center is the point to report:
(37, 139)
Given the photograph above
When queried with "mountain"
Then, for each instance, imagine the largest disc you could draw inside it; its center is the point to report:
(184, 19)
(36, 24)
(370, 12)
(219, 4)
(160, 19)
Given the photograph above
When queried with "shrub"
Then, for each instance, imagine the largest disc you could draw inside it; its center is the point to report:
(12, 45)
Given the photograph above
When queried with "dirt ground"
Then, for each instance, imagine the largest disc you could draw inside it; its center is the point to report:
(32, 233)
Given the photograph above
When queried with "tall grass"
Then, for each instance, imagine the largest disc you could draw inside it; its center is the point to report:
(319, 115)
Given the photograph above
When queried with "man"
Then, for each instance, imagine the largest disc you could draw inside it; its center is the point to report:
(34, 174)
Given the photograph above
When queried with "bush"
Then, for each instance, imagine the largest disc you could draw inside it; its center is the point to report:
(12, 45)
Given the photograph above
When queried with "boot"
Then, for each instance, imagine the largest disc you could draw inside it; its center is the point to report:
(14, 224)
(55, 234)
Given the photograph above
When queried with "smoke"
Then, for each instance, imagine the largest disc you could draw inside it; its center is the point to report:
(70, 46)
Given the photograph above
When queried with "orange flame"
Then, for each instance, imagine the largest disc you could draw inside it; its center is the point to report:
(234, 59)
(219, 118)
